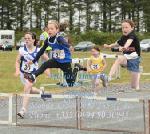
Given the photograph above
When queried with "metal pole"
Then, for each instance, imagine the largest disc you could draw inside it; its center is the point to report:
(10, 118)
(77, 112)
(144, 116)
(80, 114)
(149, 115)
(16, 109)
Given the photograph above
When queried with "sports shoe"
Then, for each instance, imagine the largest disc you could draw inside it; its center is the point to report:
(21, 113)
(109, 78)
(137, 90)
(79, 67)
(42, 92)
(64, 84)
(30, 77)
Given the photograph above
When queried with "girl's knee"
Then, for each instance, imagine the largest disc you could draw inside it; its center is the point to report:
(121, 59)
(118, 61)
(29, 84)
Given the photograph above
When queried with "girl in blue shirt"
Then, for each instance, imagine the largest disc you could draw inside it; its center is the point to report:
(61, 56)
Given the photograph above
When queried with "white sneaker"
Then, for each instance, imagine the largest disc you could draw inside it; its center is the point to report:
(42, 92)
(137, 90)
(109, 78)
(21, 113)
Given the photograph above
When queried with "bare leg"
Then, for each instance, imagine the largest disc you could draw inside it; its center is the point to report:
(47, 72)
(93, 84)
(97, 86)
(27, 90)
(34, 90)
(121, 60)
(135, 80)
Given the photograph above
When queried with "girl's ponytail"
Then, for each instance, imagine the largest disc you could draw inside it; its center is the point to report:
(34, 37)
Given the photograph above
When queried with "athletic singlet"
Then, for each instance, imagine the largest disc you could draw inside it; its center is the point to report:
(96, 64)
(25, 57)
(60, 49)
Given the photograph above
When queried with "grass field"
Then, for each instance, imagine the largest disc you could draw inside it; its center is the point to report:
(9, 83)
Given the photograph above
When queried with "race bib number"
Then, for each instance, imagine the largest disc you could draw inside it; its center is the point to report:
(28, 68)
(59, 54)
(95, 66)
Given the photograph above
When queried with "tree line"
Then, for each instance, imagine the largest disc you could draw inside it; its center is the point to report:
(83, 15)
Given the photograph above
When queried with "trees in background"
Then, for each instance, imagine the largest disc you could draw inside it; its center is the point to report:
(103, 15)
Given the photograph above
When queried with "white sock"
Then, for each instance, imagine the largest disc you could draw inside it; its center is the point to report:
(109, 78)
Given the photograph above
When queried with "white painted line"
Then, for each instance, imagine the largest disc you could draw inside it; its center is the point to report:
(53, 96)
(112, 99)
(145, 73)
(6, 94)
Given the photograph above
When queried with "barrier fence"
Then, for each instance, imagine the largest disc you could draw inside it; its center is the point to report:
(6, 106)
(47, 113)
(143, 72)
(86, 125)
(69, 111)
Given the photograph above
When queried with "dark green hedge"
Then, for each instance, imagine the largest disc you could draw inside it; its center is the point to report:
(99, 38)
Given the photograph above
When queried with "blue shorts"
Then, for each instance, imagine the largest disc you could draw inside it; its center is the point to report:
(133, 65)
(98, 76)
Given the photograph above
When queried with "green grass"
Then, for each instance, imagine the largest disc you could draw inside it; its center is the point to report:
(9, 83)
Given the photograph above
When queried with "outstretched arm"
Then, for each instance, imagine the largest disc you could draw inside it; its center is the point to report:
(111, 45)
(128, 43)
(45, 57)
(126, 46)
(41, 51)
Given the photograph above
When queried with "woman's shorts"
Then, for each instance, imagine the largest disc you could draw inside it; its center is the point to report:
(133, 65)
(97, 76)
(23, 80)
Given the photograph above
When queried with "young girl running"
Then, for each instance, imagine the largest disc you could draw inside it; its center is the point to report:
(61, 56)
(96, 66)
(130, 46)
(27, 53)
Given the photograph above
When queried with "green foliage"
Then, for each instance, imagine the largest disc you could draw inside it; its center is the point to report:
(99, 38)
(104, 15)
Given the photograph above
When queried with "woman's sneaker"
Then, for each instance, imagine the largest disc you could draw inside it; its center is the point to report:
(109, 78)
(79, 67)
(136, 89)
(21, 113)
(30, 77)
(42, 92)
